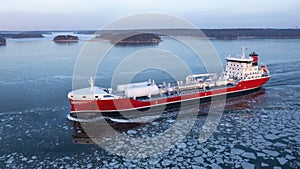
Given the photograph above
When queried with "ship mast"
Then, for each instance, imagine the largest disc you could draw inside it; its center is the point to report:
(91, 82)
(243, 52)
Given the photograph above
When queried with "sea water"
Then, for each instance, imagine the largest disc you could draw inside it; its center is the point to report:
(261, 129)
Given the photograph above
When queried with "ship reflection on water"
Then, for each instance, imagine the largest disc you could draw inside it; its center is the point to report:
(98, 130)
(242, 102)
(102, 129)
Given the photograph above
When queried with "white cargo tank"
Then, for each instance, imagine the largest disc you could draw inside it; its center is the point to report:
(221, 83)
(123, 87)
(142, 91)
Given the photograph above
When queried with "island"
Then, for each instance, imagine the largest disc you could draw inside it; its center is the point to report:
(65, 38)
(22, 35)
(131, 38)
(27, 35)
(2, 41)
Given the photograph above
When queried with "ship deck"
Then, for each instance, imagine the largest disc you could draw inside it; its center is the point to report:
(178, 93)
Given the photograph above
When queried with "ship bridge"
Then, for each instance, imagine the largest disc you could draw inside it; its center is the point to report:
(242, 67)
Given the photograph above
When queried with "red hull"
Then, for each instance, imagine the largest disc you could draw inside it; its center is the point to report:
(125, 104)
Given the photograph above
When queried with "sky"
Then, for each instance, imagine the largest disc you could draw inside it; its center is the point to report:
(94, 14)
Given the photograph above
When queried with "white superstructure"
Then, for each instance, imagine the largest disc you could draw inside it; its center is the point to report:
(242, 68)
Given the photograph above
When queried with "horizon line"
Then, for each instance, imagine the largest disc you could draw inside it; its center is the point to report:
(62, 30)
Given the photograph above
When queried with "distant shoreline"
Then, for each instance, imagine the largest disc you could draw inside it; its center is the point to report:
(219, 34)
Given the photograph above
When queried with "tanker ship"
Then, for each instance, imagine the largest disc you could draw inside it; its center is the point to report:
(242, 75)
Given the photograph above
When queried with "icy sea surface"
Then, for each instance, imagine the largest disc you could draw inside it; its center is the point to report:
(256, 131)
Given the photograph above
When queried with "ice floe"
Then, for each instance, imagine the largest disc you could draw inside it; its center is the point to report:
(281, 160)
(271, 152)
